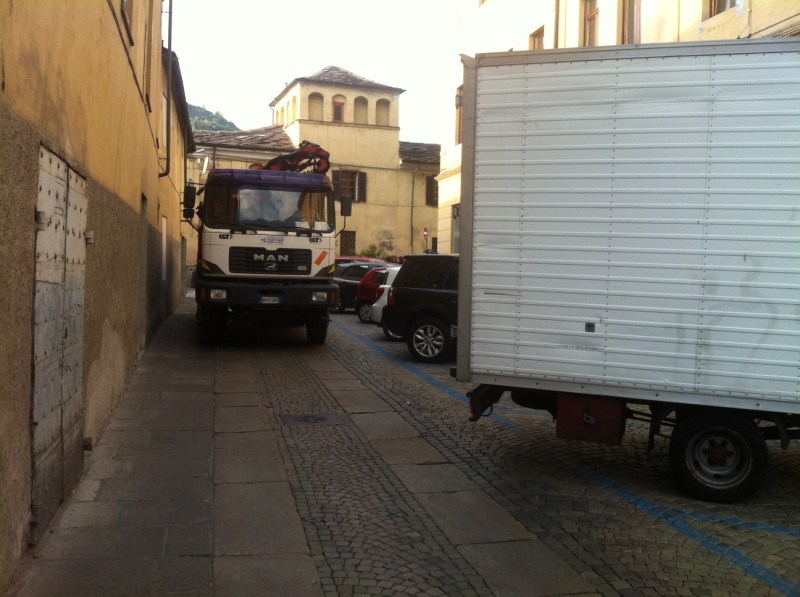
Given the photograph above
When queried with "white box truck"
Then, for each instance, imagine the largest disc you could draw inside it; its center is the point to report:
(630, 229)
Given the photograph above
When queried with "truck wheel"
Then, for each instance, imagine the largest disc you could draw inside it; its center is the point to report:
(364, 312)
(429, 340)
(212, 324)
(317, 328)
(718, 457)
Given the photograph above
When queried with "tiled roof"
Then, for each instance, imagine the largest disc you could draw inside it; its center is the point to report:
(334, 75)
(274, 139)
(420, 153)
(269, 138)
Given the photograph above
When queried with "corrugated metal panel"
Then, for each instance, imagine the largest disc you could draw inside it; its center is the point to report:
(636, 224)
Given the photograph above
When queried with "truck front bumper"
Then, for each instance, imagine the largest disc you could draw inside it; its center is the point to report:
(246, 294)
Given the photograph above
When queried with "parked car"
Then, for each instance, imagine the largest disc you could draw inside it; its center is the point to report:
(351, 258)
(376, 310)
(368, 291)
(422, 306)
(347, 276)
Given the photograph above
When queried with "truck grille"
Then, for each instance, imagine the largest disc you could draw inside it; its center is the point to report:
(255, 260)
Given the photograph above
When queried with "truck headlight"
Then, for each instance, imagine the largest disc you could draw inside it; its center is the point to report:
(319, 296)
(217, 294)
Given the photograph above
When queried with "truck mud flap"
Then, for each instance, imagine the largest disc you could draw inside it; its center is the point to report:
(482, 398)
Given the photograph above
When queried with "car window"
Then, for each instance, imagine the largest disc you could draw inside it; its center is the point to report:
(356, 272)
(425, 273)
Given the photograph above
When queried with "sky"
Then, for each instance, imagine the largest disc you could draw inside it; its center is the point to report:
(236, 56)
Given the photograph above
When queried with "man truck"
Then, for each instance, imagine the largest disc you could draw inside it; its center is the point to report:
(631, 247)
(266, 242)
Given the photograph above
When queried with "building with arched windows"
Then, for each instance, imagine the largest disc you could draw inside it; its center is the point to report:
(392, 182)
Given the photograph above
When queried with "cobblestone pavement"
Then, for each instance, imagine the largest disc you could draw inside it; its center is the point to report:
(266, 466)
(611, 512)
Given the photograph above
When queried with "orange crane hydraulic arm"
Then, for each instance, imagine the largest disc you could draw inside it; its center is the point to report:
(309, 155)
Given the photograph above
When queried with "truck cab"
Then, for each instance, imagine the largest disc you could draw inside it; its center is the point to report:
(266, 240)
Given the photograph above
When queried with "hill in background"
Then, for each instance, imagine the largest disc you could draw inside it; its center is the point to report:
(203, 120)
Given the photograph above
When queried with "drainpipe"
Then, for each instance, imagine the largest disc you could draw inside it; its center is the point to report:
(555, 24)
(413, 181)
(169, 94)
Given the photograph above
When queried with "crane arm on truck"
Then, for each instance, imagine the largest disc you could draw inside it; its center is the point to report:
(308, 156)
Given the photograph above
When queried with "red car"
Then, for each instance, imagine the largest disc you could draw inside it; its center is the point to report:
(368, 293)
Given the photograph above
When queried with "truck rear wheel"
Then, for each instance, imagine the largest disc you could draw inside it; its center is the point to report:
(718, 457)
(317, 328)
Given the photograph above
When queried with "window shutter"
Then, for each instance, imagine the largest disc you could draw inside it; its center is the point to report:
(337, 184)
(362, 187)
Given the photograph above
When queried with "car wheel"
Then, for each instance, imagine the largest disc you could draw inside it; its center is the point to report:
(364, 312)
(339, 306)
(429, 340)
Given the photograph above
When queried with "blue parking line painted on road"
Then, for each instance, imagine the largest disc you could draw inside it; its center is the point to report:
(680, 521)
(416, 370)
(676, 519)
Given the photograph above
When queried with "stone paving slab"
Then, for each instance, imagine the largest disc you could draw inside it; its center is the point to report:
(256, 519)
(500, 565)
(290, 575)
(471, 517)
(384, 425)
(407, 450)
(249, 457)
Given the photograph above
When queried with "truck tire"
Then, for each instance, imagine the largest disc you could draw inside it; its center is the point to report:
(718, 456)
(429, 340)
(317, 328)
(364, 312)
(212, 323)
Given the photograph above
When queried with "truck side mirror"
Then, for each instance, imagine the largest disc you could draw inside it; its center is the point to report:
(189, 198)
(346, 205)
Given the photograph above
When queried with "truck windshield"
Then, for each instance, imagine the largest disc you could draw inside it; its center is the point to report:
(268, 209)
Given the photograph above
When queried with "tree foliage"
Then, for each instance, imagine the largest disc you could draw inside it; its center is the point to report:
(203, 120)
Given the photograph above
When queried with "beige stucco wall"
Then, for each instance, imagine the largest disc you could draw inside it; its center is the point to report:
(504, 25)
(71, 81)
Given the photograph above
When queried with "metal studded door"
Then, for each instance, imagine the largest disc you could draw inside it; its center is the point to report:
(57, 411)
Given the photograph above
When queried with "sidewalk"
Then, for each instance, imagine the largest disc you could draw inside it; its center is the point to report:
(194, 489)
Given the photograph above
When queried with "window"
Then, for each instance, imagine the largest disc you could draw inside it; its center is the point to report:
(350, 183)
(591, 17)
(382, 113)
(360, 110)
(718, 6)
(338, 108)
(315, 102)
(431, 191)
(631, 25)
(347, 242)
(536, 39)
(455, 230)
(126, 10)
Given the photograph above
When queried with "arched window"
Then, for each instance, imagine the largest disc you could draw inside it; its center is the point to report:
(360, 110)
(338, 108)
(315, 103)
(294, 108)
(382, 113)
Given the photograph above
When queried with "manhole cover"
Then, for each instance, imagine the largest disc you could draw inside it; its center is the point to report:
(311, 419)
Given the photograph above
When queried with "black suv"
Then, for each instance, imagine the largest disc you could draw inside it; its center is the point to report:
(423, 305)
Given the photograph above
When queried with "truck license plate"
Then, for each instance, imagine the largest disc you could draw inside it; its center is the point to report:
(270, 300)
